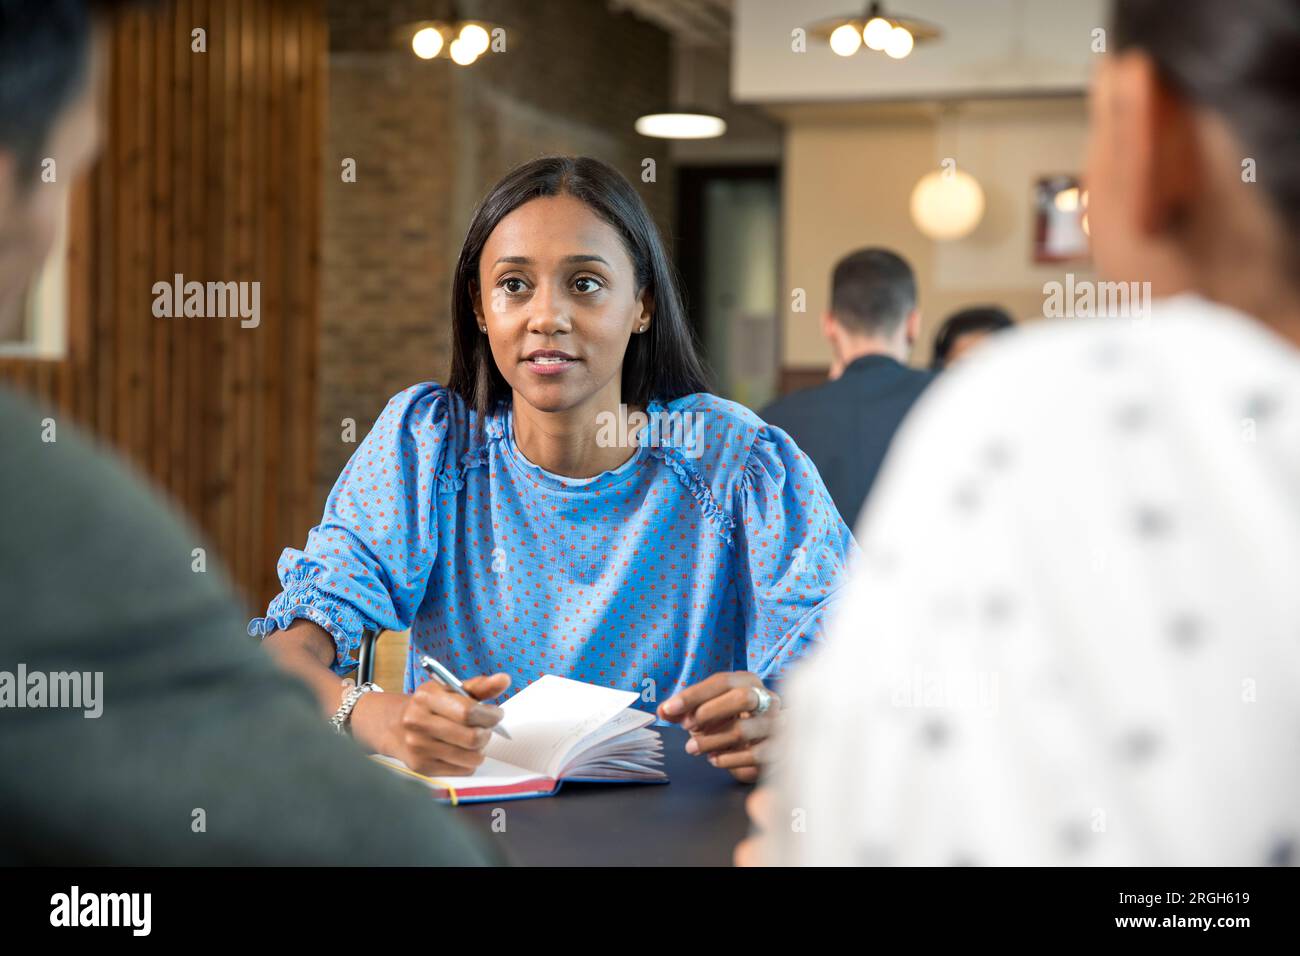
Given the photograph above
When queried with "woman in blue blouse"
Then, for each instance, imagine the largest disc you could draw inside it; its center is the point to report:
(572, 502)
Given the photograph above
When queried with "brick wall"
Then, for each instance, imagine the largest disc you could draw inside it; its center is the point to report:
(429, 138)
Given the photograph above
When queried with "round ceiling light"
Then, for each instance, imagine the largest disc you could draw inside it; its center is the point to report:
(947, 205)
(427, 43)
(846, 39)
(899, 44)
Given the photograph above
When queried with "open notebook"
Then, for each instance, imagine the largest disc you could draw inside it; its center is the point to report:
(563, 730)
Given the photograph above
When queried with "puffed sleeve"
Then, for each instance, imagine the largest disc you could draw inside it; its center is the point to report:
(793, 550)
(367, 563)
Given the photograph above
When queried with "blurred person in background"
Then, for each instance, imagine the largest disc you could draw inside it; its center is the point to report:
(965, 330)
(1079, 575)
(846, 425)
(176, 714)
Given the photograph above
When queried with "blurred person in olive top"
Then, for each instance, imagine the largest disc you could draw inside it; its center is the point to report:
(846, 425)
(187, 744)
(964, 331)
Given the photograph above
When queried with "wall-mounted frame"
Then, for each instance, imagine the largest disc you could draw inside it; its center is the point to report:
(1060, 235)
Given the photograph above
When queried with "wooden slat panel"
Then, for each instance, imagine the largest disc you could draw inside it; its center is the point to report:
(159, 254)
(216, 506)
(138, 346)
(301, 286)
(272, 352)
(211, 169)
(180, 251)
(102, 251)
(125, 331)
(72, 382)
(198, 350)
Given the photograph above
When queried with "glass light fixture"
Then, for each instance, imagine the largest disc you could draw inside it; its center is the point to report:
(682, 121)
(451, 37)
(946, 204)
(876, 33)
(845, 40)
(474, 39)
(426, 43)
(899, 43)
(461, 54)
(891, 32)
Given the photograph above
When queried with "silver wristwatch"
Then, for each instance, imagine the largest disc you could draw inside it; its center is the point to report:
(342, 719)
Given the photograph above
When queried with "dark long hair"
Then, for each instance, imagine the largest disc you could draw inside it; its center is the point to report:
(660, 363)
(1239, 59)
(979, 318)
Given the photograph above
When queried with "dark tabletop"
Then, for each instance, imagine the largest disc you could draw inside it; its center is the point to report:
(696, 819)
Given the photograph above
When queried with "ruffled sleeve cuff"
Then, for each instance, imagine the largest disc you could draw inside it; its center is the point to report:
(301, 598)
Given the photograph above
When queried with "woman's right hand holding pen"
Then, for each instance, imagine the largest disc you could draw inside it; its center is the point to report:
(435, 731)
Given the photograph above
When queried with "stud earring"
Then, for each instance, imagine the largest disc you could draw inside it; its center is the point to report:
(643, 328)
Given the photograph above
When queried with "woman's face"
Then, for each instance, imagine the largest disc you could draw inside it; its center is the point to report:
(557, 294)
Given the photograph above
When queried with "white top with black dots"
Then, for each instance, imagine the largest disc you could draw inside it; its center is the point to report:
(1074, 635)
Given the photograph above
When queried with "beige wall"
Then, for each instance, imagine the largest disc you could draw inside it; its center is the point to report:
(847, 182)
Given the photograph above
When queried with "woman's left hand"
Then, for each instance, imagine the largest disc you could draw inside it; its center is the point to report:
(719, 713)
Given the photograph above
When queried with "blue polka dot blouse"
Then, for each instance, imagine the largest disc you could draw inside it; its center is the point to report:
(715, 547)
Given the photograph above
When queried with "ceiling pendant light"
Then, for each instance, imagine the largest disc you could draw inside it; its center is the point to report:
(461, 41)
(683, 122)
(686, 124)
(427, 43)
(893, 34)
(845, 39)
(947, 203)
(876, 33)
(899, 43)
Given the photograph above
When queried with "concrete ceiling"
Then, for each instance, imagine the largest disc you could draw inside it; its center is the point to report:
(705, 23)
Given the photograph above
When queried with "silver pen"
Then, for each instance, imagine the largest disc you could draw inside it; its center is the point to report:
(452, 682)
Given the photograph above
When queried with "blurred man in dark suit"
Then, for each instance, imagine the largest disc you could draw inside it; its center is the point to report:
(846, 425)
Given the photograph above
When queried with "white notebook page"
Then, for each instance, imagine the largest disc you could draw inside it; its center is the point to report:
(550, 717)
